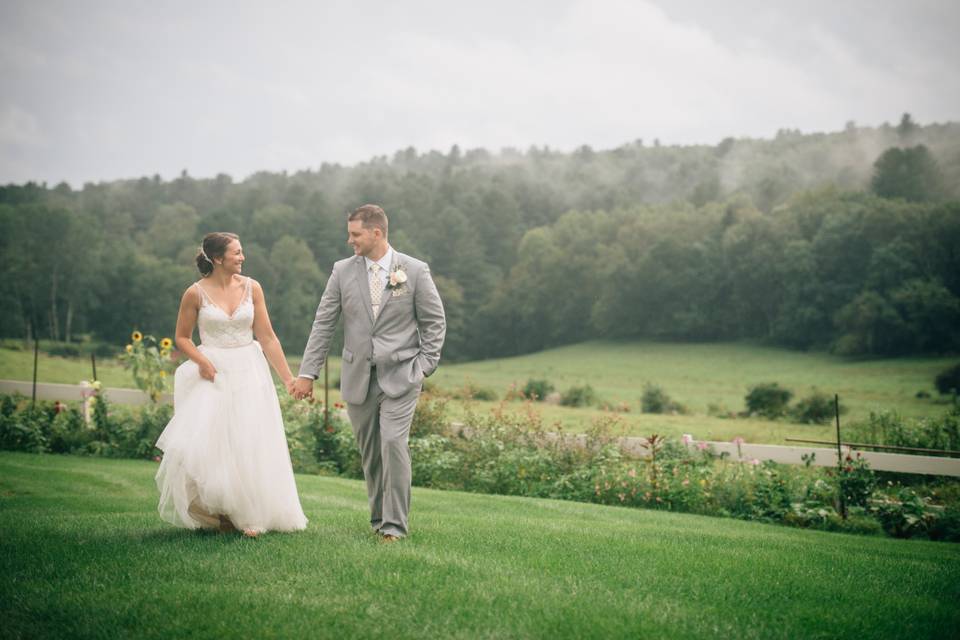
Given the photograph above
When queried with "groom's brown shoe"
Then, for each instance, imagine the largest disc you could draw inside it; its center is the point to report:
(388, 537)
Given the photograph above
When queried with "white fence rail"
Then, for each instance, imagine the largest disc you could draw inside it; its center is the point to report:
(74, 392)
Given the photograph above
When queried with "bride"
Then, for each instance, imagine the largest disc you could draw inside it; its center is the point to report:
(226, 465)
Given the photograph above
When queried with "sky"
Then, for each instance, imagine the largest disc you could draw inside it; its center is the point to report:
(100, 90)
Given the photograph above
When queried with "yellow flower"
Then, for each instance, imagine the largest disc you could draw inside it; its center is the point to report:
(96, 385)
(129, 348)
(137, 336)
(163, 374)
(166, 343)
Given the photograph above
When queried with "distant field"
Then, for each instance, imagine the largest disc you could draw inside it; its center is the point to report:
(84, 555)
(696, 375)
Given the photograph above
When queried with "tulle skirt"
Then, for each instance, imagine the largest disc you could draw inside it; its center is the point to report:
(225, 451)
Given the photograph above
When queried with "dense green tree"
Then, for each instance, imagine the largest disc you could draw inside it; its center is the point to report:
(911, 174)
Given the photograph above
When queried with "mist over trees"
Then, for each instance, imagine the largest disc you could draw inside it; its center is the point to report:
(848, 241)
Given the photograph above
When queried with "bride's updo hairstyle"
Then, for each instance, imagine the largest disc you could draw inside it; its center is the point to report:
(214, 245)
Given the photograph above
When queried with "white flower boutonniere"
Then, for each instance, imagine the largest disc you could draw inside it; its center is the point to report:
(397, 277)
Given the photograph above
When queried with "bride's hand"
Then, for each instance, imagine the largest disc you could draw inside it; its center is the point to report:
(289, 385)
(207, 370)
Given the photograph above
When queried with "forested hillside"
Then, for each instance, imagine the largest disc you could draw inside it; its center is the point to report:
(847, 240)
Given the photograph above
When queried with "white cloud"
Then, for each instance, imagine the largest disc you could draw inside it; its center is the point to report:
(236, 88)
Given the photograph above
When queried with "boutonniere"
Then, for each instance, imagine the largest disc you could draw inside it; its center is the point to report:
(397, 277)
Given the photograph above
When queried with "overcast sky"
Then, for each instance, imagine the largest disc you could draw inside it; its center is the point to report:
(104, 90)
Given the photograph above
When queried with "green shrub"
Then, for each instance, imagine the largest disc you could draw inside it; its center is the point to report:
(948, 380)
(890, 428)
(769, 400)
(537, 389)
(471, 391)
(430, 418)
(656, 400)
(579, 396)
(816, 408)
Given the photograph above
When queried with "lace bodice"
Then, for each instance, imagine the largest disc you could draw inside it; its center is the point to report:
(217, 329)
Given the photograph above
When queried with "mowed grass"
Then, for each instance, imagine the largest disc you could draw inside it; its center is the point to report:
(700, 375)
(85, 555)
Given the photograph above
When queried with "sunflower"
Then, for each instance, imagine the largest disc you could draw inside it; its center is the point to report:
(129, 348)
(166, 343)
(136, 336)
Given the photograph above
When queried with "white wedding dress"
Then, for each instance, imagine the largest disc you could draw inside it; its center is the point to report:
(225, 451)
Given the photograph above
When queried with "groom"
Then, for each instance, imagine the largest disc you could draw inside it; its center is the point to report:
(393, 331)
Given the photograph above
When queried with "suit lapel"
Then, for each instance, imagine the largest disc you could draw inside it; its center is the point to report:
(361, 275)
(387, 293)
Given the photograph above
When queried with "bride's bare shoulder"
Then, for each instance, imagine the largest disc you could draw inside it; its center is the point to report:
(191, 295)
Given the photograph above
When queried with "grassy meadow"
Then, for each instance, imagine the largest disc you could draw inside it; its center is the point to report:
(84, 554)
(695, 375)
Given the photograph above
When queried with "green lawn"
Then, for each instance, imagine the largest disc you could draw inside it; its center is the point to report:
(83, 554)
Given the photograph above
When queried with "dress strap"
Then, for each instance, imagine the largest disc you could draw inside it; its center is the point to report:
(204, 298)
(248, 291)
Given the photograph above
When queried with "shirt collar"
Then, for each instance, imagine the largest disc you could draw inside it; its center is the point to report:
(384, 261)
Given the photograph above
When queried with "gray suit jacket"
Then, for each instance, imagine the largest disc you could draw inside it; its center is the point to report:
(403, 342)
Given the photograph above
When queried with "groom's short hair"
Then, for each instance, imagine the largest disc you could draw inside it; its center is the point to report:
(372, 217)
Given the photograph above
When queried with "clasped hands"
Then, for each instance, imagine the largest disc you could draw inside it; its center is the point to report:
(300, 388)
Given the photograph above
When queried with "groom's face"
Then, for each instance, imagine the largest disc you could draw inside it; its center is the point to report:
(363, 240)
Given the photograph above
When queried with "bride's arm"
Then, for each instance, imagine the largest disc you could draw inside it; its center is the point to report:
(186, 321)
(267, 338)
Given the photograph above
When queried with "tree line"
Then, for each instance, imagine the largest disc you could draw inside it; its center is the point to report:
(848, 240)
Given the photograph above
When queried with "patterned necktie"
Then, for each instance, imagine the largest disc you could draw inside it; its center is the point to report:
(376, 288)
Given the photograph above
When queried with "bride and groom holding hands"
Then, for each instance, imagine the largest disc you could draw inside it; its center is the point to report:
(226, 465)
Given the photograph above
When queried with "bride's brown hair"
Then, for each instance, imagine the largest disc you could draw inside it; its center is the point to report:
(213, 245)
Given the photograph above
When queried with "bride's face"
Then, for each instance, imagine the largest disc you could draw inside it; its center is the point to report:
(232, 261)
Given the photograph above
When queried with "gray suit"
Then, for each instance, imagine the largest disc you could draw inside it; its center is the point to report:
(385, 360)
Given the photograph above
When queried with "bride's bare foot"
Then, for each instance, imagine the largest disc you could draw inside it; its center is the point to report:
(250, 533)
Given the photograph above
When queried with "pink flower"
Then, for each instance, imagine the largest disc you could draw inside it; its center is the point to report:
(701, 445)
(686, 438)
(156, 458)
(754, 462)
(738, 441)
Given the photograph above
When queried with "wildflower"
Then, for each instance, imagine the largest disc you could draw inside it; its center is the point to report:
(754, 462)
(156, 458)
(136, 336)
(686, 438)
(703, 482)
(166, 343)
(701, 446)
(738, 441)
(129, 348)
(96, 385)
(685, 482)
(632, 473)
(622, 496)
(163, 374)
